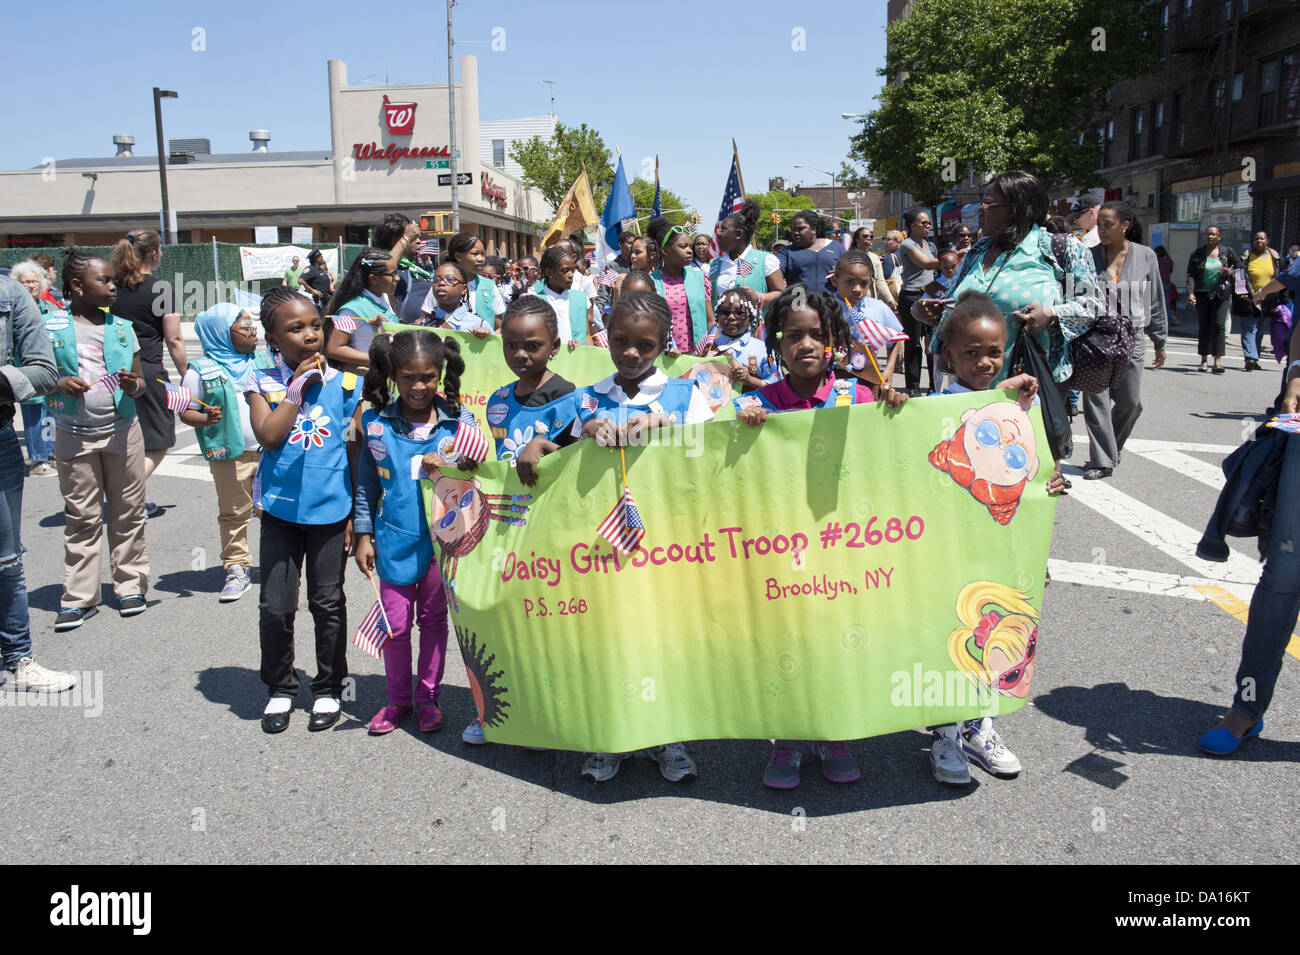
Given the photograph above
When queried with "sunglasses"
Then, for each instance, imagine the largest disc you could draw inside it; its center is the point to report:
(449, 518)
(1010, 678)
(986, 206)
(444, 280)
(989, 435)
(730, 312)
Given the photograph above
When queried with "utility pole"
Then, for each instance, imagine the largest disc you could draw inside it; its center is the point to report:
(451, 120)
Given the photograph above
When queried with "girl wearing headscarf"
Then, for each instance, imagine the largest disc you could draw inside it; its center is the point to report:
(230, 359)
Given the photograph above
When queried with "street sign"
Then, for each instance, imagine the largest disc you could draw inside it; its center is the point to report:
(462, 179)
(438, 164)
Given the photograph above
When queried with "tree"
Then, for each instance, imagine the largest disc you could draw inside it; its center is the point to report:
(990, 85)
(781, 203)
(552, 166)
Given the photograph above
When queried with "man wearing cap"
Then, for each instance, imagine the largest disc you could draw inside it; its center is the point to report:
(1083, 218)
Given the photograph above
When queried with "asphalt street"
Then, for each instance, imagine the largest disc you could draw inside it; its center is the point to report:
(1138, 654)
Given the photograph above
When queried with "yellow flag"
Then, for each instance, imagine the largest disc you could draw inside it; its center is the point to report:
(576, 211)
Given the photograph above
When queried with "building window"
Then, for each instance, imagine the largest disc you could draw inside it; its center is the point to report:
(1217, 89)
(1187, 9)
(1270, 73)
(1227, 11)
(1157, 127)
(1180, 119)
(1238, 86)
(1106, 139)
(498, 152)
(1136, 132)
(1162, 35)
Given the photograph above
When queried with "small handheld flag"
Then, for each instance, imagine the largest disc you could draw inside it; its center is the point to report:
(374, 632)
(623, 527)
(178, 398)
(608, 278)
(107, 383)
(469, 441)
(744, 267)
(600, 339)
(344, 324)
(1286, 422)
(875, 335)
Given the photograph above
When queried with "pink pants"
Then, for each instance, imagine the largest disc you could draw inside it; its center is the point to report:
(425, 602)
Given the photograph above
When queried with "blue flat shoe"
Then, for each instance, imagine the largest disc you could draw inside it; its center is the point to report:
(1220, 741)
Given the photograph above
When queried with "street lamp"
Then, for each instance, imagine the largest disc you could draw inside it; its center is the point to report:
(158, 97)
(804, 165)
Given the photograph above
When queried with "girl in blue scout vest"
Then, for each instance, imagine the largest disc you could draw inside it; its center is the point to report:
(687, 291)
(98, 447)
(225, 431)
(540, 406)
(804, 329)
(997, 647)
(362, 296)
(392, 532)
(484, 298)
(621, 409)
(855, 288)
(445, 305)
(573, 309)
(762, 271)
(737, 314)
(300, 411)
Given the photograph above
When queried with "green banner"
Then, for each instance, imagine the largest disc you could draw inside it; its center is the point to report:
(831, 575)
(486, 370)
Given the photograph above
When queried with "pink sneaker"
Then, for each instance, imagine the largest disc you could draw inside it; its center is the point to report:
(386, 720)
(430, 717)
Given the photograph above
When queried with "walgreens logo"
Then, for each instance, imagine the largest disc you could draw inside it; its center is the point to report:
(400, 117)
(393, 153)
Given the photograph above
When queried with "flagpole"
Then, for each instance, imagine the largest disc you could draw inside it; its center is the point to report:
(622, 460)
(735, 154)
(192, 398)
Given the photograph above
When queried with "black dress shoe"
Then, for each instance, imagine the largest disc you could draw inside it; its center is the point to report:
(275, 722)
(1093, 474)
(323, 721)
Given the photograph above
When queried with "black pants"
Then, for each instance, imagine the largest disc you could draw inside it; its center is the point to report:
(1212, 325)
(283, 547)
(917, 344)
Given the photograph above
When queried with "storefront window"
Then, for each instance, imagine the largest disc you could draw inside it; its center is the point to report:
(1229, 208)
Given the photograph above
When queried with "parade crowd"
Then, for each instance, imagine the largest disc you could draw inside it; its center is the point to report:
(318, 421)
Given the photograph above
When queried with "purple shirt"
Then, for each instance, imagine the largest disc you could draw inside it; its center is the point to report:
(784, 398)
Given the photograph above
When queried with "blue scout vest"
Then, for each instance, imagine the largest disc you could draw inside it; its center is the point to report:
(485, 300)
(506, 416)
(225, 439)
(306, 480)
(756, 279)
(843, 392)
(672, 402)
(577, 310)
(119, 354)
(403, 545)
(694, 279)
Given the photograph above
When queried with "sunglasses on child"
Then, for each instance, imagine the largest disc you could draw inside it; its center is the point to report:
(725, 312)
(989, 435)
(450, 517)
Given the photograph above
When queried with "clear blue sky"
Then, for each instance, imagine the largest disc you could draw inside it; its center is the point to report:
(677, 78)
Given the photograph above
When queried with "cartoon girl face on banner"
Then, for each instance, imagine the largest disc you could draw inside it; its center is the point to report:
(711, 378)
(993, 455)
(461, 512)
(997, 643)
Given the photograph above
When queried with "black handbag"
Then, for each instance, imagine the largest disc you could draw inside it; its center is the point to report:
(1027, 358)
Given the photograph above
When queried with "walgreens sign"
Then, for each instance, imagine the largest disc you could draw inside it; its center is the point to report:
(399, 118)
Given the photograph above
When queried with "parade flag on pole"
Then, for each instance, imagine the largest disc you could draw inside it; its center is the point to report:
(469, 441)
(344, 324)
(657, 209)
(577, 211)
(107, 383)
(178, 398)
(707, 341)
(743, 267)
(618, 206)
(875, 335)
(733, 196)
(623, 527)
(373, 633)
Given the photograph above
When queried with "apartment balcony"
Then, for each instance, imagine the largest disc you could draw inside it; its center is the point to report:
(1199, 31)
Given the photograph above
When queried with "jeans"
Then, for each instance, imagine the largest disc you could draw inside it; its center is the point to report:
(1275, 606)
(1249, 336)
(285, 546)
(15, 625)
(38, 432)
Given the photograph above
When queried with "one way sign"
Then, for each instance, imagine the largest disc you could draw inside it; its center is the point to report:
(462, 179)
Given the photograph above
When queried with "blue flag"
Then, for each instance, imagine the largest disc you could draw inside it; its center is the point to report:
(618, 206)
(657, 209)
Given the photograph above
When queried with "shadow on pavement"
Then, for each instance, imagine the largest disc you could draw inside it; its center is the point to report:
(896, 768)
(187, 583)
(1118, 720)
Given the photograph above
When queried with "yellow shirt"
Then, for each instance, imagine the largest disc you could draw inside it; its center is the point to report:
(1259, 269)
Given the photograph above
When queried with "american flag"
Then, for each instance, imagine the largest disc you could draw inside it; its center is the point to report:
(608, 277)
(590, 402)
(373, 633)
(707, 341)
(600, 339)
(733, 197)
(875, 335)
(178, 398)
(344, 324)
(623, 527)
(744, 267)
(107, 383)
(469, 441)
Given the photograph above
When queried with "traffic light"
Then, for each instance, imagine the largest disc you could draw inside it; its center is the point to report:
(696, 218)
(435, 223)
(776, 217)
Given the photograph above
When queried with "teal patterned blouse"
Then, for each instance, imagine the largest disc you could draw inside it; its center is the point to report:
(1030, 274)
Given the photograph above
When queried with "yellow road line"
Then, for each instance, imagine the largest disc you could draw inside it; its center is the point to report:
(1235, 607)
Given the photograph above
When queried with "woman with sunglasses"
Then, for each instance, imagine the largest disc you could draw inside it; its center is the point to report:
(363, 305)
(862, 239)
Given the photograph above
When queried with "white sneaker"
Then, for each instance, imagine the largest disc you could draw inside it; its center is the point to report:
(473, 734)
(42, 469)
(984, 746)
(34, 678)
(947, 759)
(675, 764)
(602, 767)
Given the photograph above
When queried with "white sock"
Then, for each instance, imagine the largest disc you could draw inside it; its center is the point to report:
(325, 704)
(278, 704)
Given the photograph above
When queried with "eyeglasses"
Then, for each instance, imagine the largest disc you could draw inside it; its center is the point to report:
(1007, 679)
(444, 280)
(986, 206)
(989, 435)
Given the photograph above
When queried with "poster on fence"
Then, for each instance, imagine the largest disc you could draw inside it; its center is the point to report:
(834, 574)
(264, 263)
